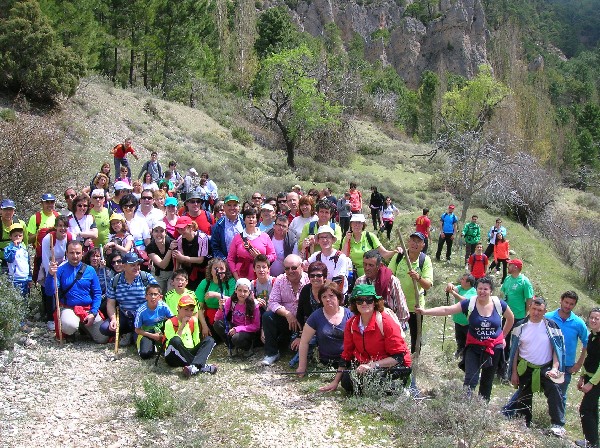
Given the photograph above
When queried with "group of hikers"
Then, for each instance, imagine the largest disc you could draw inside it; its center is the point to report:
(175, 270)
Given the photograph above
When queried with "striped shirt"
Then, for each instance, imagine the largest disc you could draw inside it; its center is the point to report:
(130, 296)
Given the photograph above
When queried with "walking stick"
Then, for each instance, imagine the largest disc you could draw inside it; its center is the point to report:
(117, 332)
(56, 298)
(227, 340)
(103, 267)
(417, 295)
(445, 319)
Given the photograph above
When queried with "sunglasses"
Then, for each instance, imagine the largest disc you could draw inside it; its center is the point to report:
(147, 198)
(118, 261)
(99, 198)
(71, 196)
(194, 201)
(256, 197)
(315, 276)
(367, 300)
(284, 201)
(293, 268)
(129, 206)
(82, 205)
(158, 229)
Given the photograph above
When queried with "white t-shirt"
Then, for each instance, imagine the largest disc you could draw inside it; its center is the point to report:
(140, 231)
(155, 215)
(299, 222)
(334, 269)
(534, 345)
(86, 223)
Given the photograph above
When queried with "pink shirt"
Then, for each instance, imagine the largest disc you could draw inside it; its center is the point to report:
(240, 260)
(282, 294)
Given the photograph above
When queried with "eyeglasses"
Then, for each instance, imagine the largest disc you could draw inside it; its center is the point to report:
(315, 276)
(293, 268)
(147, 198)
(117, 261)
(194, 201)
(129, 206)
(82, 205)
(283, 226)
(153, 294)
(282, 201)
(367, 300)
(99, 198)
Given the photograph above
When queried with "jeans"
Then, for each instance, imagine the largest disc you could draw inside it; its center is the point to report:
(460, 335)
(521, 402)
(565, 386)
(447, 238)
(479, 363)
(118, 163)
(126, 319)
(276, 330)
(588, 412)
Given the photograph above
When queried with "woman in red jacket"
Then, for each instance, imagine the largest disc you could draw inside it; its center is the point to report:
(373, 342)
(501, 254)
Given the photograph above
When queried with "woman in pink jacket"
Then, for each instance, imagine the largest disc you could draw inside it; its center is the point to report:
(247, 245)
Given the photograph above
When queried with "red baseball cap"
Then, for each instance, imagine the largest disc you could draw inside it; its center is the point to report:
(183, 222)
(518, 263)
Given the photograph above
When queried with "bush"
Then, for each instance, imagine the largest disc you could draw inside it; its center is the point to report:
(13, 308)
(157, 402)
(242, 136)
(8, 115)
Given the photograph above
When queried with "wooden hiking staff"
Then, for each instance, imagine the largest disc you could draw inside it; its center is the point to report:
(56, 298)
(416, 286)
(117, 331)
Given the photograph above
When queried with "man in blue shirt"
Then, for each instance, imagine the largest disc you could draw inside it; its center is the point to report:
(127, 290)
(227, 227)
(573, 328)
(80, 294)
(449, 224)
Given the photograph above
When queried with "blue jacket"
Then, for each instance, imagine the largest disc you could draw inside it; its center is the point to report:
(86, 291)
(217, 238)
(554, 334)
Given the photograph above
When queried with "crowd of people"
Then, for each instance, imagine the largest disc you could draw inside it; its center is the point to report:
(161, 262)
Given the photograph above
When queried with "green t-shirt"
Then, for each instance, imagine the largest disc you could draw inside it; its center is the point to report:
(172, 299)
(45, 222)
(460, 317)
(516, 293)
(306, 232)
(213, 302)
(103, 224)
(358, 249)
(400, 270)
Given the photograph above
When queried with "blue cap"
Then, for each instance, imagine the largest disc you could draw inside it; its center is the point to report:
(7, 203)
(131, 258)
(48, 197)
(171, 201)
(418, 235)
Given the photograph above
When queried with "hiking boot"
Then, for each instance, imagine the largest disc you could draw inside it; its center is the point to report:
(585, 444)
(558, 431)
(50, 325)
(209, 368)
(270, 360)
(190, 370)
(126, 340)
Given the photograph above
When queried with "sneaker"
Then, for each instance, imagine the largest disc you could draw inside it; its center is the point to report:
(270, 360)
(190, 370)
(126, 340)
(50, 325)
(558, 431)
(295, 360)
(209, 368)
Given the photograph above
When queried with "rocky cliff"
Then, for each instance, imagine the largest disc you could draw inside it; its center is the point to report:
(455, 41)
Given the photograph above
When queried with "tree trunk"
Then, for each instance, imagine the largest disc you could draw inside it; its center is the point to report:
(289, 147)
(131, 58)
(465, 209)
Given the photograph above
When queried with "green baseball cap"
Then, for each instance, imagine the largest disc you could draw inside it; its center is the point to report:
(364, 290)
(231, 197)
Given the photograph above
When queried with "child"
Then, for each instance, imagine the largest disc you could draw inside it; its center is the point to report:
(183, 341)
(123, 175)
(262, 285)
(17, 257)
(478, 262)
(243, 316)
(119, 237)
(149, 320)
(179, 280)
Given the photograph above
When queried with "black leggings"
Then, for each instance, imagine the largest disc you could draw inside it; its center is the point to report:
(242, 340)
(178, 355)
(388, 228)
(412, 325)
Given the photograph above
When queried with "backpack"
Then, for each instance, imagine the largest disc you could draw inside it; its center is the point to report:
(369, 240)
(495, 301)
(143, 274)
(336, 257)
(379, 321)
(15, 220)
(313, 224)
(175, 321)
(483, 260)
(41, 233)
(422, 256)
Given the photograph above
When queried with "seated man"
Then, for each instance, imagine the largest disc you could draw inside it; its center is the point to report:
(537, 358)
(80, 294)
(149, 322)
(127, 290)
(184, 348)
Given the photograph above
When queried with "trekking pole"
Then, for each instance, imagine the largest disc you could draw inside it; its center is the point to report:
(417, 297)
(117, 332)
(227, 340)
(401, 370)
(445, 319)
(103, 267)
(56, 298)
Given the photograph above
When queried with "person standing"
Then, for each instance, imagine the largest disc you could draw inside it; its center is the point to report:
(536, 362)
(344, 212)
(588, 384)
(227, 227)
(355, 199)
(472, 234)
(573, 329)
(152, 167)
(120, 152)
(8, 218)
(423, 226)
(449, 224)
(376, 206)
(496, 228)
(466, 290)
(284, 244)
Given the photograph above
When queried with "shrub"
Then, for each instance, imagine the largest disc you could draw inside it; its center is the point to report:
(13, 308)
(242, 136)
(8, 115)
(157, 402)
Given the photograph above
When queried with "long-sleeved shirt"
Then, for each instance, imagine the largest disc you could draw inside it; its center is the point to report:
(154, 168)
(240, 322)
(85, 292)
(282, 295)
(17, 258)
